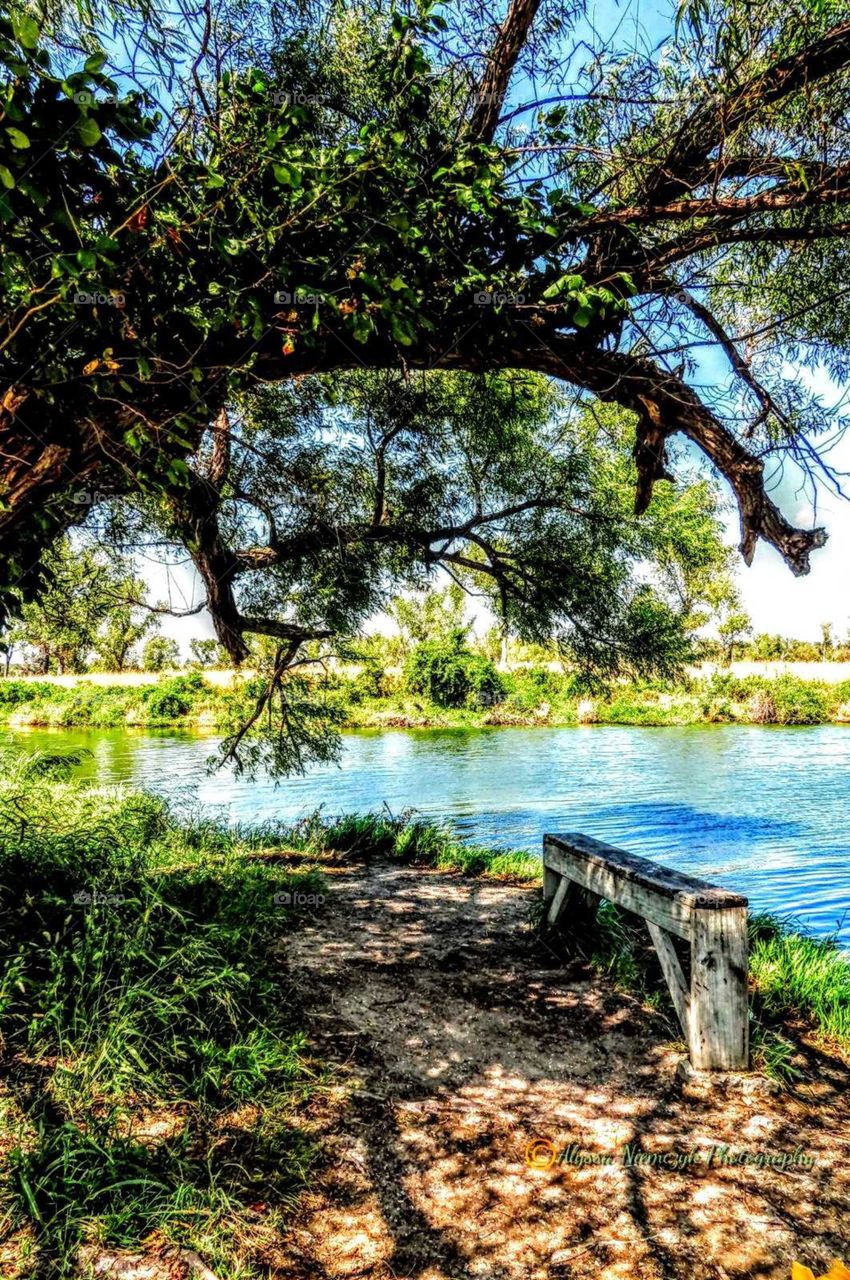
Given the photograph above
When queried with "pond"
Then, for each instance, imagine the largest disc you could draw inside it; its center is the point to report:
(761, 810)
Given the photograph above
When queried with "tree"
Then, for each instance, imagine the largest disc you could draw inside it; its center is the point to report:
(368, 189)
(733, 630)
(827, 643)
(160, 653)
(347, 497)
(125, 625)
(206, 654)
(83, 610)
(695, 194)
(422, 616)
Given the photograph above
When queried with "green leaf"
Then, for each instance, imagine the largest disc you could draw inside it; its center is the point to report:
(402, 331)
(287, 175)
(215, 180)
(26, 30)
(6, 177)
(95, 63)
(582, 317)
(89, 131)
(566, 284)
(18, 139)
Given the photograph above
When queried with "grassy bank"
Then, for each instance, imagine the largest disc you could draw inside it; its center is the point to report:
(151, 1073)
(154, 1076)
(370, 700)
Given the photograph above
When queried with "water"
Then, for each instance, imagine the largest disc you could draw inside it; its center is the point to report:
(760, 810)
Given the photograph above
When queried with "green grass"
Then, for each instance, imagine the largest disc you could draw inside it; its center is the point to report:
(798, 976)
(535, 696)
(131, 990)
(413, 842)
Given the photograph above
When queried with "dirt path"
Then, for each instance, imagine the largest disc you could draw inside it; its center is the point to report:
(457, 1044)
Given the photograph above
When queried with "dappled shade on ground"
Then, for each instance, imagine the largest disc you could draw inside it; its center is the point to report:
(462, 1040)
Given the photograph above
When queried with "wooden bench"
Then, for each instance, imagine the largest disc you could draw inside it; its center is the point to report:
(712, 1007)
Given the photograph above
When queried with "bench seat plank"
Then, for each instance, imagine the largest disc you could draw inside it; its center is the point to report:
(666, 897)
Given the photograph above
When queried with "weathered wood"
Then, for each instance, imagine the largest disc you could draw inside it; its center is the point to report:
(714, 1012)
(657, 893)
(672, 971)
(719, 1026)
(645, 875)
(551, 880)
(558, 901)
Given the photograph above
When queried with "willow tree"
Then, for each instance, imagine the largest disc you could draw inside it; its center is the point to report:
(418, 188)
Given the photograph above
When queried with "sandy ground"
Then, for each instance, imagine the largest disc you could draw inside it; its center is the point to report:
(458, 1041)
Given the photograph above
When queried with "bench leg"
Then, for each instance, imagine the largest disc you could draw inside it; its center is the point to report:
(719, 1011)
(562, 897)
(551, 880)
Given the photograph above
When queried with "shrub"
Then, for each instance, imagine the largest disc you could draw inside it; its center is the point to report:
(370, 682)
(449, 674)
(530, 686)
(14, 692)
(175, 697)
(799, 701)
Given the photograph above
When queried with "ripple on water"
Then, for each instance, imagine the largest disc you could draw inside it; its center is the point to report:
(762, 810)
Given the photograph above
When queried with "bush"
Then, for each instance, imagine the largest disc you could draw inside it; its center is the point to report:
(175, 697)
(370, 682)
(530, 686)
(799, 701)
(449, 674)
(14, 692)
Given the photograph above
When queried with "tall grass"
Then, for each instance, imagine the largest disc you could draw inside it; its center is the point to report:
(796, 975)
(141, 1015)
(411, 841)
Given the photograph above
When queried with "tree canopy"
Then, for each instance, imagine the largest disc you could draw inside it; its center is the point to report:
(199, 230)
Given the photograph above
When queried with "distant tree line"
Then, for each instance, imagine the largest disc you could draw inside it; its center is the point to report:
(95, 616)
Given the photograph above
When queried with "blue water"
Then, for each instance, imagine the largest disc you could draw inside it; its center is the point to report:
(762, 810)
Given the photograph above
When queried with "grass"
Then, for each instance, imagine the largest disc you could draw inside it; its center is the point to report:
(153, 1073)
(535, 696)
(796, 975)
(152, 1077)
(413, 842)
